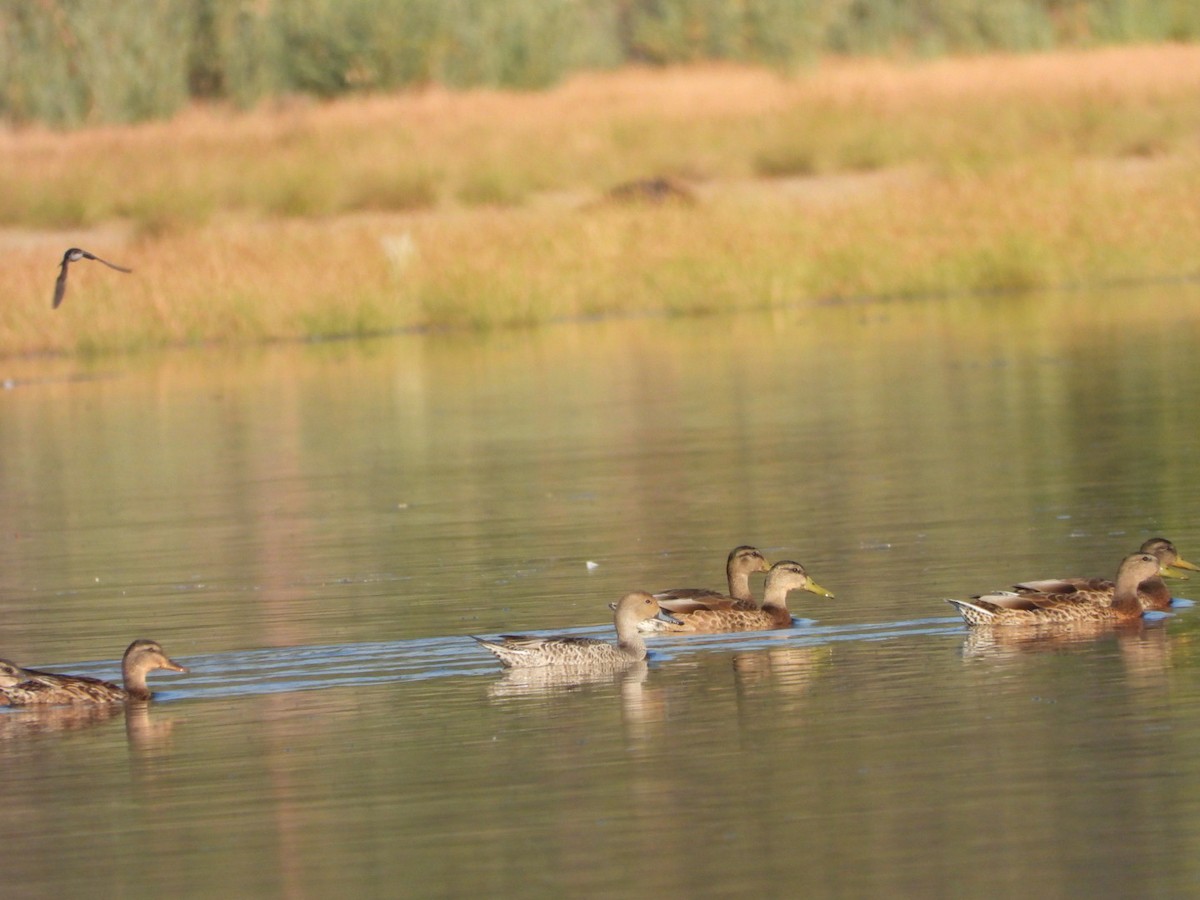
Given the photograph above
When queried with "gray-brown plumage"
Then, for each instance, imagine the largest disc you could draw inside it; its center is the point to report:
(74, 255)
(1032, 608)
(739, 566)
(1152, 593)
(520, 651)
(782, 577)
(31, 687)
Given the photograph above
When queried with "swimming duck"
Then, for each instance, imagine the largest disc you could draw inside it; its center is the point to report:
(782, 577)
(742, 563)
(30, 687)
(1007, 608)
(74, 255)
(520, 651)
(1153, 593)
(1169, 557)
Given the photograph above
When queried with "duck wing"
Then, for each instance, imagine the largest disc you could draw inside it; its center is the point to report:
(686, 600)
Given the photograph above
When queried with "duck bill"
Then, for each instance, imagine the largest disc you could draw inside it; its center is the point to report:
(171, 666)
(664, 616)
(1180, 563)
(814, 588)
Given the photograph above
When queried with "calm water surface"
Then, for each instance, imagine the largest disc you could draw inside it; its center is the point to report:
(315, 531)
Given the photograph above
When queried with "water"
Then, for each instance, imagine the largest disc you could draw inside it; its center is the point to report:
(315, 531)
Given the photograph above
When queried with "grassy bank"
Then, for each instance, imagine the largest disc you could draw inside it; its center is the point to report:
(486, 209)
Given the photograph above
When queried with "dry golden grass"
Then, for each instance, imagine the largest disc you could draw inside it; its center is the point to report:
(480, 209)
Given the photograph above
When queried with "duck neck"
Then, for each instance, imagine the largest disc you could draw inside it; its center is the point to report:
(1125, 596)
(739, 585)
(1156, 590)
(629, 639)
(135, 682)
(775, 596)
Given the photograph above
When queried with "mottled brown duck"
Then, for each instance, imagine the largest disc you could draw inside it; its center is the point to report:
(782, 577)
(521, 651)
(742, 563)
(1033, 608)
(30, 687)
(1152, 593)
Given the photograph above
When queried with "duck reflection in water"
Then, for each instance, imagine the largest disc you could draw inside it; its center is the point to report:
(1145, 646)
(147, 733)
(39, 721)
(992, 642)
(786, 670)
(548, 680)
(144, 732)
(642, 705)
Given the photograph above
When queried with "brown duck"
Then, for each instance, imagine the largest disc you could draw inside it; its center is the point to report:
(521, 651)
(30, 687)
(742, 563)
(1032, 608)
(782, 577)
(1152, 593)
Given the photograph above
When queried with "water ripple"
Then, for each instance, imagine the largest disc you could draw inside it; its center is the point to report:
(319, 666)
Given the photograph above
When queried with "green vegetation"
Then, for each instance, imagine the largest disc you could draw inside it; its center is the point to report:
(71, 62)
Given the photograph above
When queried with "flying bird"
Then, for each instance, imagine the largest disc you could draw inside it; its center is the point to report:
(74, 255)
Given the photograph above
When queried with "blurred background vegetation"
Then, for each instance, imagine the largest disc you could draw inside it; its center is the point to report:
(75, 62)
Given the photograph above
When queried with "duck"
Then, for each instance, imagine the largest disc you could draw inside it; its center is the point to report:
(786, 575)
(522, 651)
(1033, 608)
(30, 687)
(742, 562)
(1153, 593)
(1168, 556)
(75, 254)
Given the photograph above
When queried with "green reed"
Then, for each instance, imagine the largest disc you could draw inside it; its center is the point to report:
(71, 62)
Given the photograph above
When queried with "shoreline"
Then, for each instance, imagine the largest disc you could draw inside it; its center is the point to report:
(867, 179)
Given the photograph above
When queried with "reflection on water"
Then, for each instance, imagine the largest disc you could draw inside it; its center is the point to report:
(1145, 649)
(784, 669)
(149, 734)
(38, 721)
(551, 679)
(314, 531)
